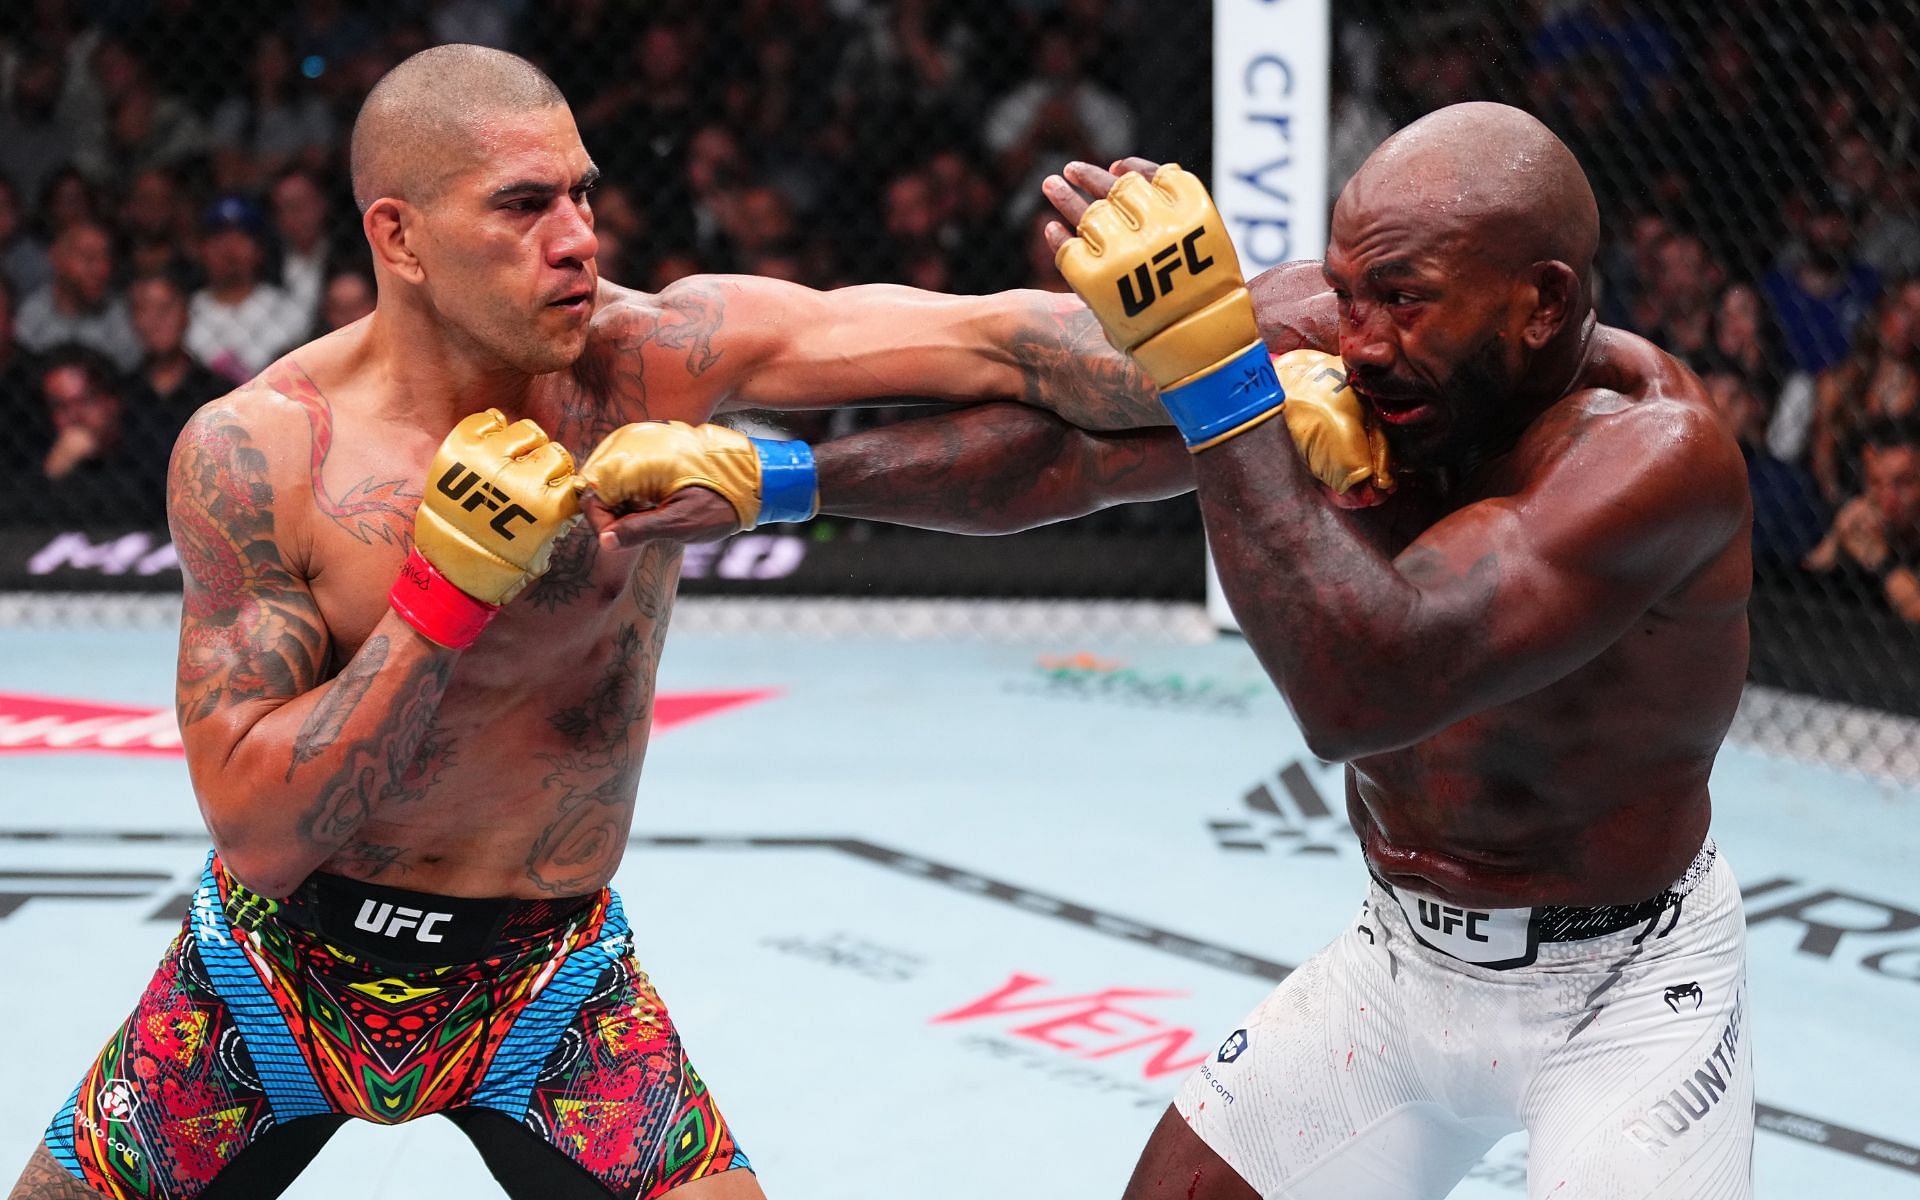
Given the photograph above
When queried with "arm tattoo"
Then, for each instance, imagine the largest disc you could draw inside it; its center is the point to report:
(249, 629)
(1071, 369)
(372, 769)
(595, 780)
(369, 509)
(322, 726)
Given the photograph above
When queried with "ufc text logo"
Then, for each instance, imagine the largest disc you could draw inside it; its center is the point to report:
(391, 921)
(461, 481)
(1445, 918)
(1154, 278)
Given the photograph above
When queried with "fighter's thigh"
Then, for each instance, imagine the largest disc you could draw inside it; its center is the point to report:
(1178, 1165)
(171, 1099)
(618, 1096)
(1658, 1102)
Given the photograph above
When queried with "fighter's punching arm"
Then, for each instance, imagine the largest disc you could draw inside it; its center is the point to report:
(286, 761)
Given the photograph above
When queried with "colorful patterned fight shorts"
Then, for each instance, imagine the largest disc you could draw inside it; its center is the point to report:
(529, 1024)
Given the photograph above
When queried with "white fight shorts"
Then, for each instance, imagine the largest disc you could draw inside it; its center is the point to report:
(1390, 1062)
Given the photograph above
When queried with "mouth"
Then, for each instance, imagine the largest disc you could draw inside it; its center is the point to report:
(573, 303)
(1396, 409)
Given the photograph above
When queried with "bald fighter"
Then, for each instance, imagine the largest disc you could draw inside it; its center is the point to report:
(1522, 628)
(415, 698)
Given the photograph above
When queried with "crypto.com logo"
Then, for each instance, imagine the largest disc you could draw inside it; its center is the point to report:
(46, 725)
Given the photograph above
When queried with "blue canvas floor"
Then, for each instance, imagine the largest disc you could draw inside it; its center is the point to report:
(828, 885)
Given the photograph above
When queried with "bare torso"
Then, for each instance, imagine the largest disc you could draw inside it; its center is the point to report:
(525, 783)
(1593, 789)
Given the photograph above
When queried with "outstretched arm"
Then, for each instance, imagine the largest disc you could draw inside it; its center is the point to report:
(986, 469)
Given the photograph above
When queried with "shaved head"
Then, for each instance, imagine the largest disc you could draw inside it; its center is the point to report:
(428, 117)
(1491, 175)
(1461, 256)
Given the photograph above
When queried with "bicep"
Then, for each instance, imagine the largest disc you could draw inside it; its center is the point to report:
(1514, 593)
(251, 636)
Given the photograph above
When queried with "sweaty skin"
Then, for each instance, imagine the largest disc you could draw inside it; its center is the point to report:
(321, 731)
(1529, 654)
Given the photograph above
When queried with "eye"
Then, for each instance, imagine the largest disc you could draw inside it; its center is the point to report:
(1402, 299)
(581, 193)
(525, 206)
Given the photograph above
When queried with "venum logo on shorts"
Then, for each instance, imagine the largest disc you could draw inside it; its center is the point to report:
(391, 921)
(1684, 1106)
(1233, 1047)
(1685, 991)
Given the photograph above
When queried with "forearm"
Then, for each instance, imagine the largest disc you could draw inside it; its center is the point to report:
(1333, 621)
(297, 779)
(1066, 366)
(996, 468)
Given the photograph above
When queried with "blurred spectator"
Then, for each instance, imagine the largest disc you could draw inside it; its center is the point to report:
(154, 227)
(1890, 238)
(1881, 379)
(277, 122)
(69, 199)
(1628, 266)
(1743, 339)
(1875, 539)
(176, 39)
(1681, 299)
(85, 473)
(1788, 514)
(36, 137)
(1057, 115)
(325, 35)
(755, 220)
(144, 128)
(569, 40)
(23, 261)
(1820, 290)
(1634, 43)
(238, 324)
(349, 296)
(307, 253)
(170, 383)
(78, 304)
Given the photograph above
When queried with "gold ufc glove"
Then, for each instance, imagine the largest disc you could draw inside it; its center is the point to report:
(1154, 263)
(498, 497)
(1337, 438)
(646, 462)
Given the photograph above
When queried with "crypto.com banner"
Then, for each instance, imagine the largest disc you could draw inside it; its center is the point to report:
(1269, 142)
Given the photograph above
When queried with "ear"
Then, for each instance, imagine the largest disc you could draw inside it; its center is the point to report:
(1556, 290)
(391, 226)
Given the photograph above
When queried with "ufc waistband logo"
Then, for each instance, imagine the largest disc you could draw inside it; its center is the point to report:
(462, 481)
(1138, 291)
(389, 920)
(1445, 918)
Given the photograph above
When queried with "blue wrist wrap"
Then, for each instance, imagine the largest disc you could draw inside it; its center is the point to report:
(789, 484)
(1240, 390)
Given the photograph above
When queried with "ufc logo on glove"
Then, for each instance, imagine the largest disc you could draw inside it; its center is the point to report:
(1137, 291)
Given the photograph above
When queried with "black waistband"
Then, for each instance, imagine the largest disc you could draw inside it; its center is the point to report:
(1575, 923)
(408, 928)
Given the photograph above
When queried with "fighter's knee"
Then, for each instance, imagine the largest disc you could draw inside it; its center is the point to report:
(46, 1179)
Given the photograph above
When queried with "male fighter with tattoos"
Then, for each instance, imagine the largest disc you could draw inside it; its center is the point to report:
(1527, 650)
(415, 706)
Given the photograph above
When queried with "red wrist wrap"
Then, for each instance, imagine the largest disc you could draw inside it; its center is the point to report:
(440, 611)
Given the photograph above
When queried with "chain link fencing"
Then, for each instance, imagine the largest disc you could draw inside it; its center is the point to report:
(174, 212)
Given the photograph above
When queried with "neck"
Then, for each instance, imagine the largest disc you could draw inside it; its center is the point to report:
(164, 371)
(231, 293)
(431, 378)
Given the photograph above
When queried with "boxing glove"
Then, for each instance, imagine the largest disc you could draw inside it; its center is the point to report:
(644, 463)
(498, 496)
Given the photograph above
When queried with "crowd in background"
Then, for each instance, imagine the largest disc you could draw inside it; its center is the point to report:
(174, 210)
